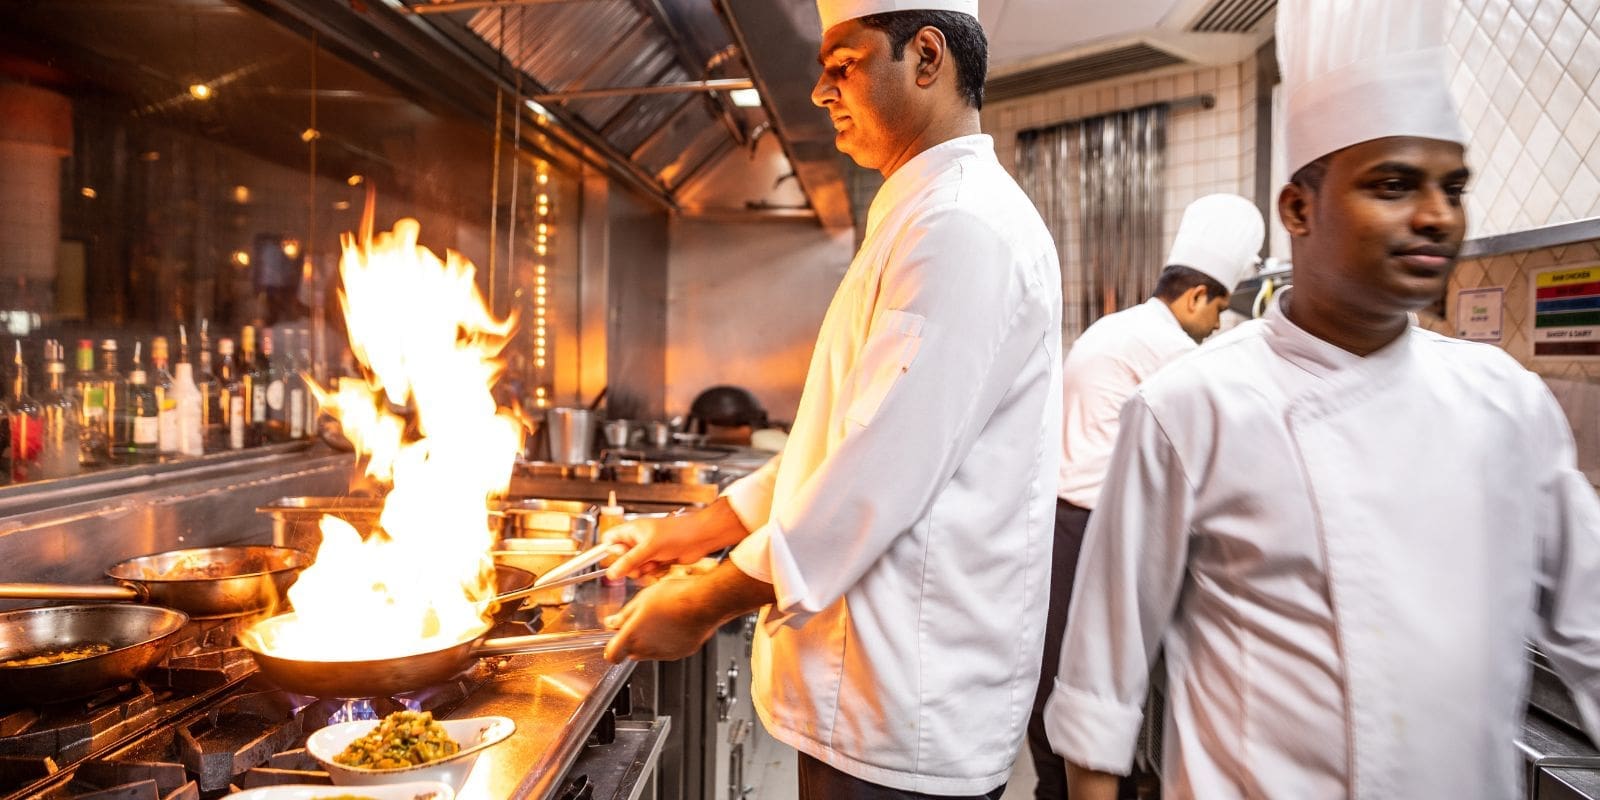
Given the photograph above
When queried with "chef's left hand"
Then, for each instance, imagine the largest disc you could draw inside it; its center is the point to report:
(665, 621)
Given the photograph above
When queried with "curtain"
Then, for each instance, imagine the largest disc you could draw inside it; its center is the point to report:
(1098, 184)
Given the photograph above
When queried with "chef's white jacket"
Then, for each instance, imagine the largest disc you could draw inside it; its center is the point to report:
(1342, 557)
(906, 526)
(1106, 363)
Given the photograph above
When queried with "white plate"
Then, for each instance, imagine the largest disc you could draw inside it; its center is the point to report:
(474, 734)
(411, 790)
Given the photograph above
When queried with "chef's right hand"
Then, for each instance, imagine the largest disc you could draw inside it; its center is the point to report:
(648, 547)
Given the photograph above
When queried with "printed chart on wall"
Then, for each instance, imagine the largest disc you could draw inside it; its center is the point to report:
(1566, 312)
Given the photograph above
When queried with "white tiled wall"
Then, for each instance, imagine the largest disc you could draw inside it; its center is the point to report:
(1208, 150)
(1526, 82)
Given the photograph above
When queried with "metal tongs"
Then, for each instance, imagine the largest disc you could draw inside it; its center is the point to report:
(573, 570)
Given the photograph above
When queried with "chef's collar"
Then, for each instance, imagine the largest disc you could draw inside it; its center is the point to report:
(915, 174)
(1167, 314)
(1321, 359)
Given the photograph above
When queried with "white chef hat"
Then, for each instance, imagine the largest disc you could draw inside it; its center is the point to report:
(1358, 70)
(834, 12)
(1220, 236)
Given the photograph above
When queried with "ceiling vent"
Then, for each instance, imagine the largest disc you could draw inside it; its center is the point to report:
(1232, 16)
(1095, 67)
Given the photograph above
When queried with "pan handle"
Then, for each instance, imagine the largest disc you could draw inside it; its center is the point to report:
(541, 643)
(68, 591)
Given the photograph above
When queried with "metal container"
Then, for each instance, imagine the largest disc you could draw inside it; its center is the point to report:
(296, 521)
(632, 472)
(587, 471)
(545, 469)
(687, 472)
(619, 433)
(571, 433)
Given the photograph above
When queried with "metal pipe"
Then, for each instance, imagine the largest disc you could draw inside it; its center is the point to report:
(718, 85)
(476, 5)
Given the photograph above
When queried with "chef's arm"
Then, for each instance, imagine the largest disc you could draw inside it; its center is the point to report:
(1130, 574)
(954, 325)
(1569, 603)
(1087, 784)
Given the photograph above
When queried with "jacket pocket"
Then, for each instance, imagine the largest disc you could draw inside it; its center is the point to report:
(889, 351)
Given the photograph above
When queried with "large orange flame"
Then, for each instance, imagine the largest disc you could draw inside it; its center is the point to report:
(428, 341)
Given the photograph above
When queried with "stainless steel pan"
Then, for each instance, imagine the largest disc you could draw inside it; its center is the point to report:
(205, 582)
(139, 636)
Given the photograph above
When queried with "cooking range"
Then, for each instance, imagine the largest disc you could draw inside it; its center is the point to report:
(203, 723)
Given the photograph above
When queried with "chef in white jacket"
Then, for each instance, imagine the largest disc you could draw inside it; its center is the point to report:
(1339, 528)
(1218, 239)
(900, 543)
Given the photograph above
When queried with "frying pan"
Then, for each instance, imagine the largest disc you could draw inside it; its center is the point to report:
(139, 637)
(383, 677)
(206, 582)
(509, 582)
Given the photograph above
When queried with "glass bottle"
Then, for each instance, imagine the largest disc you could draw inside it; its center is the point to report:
(113, 387)
(166, 403)
(94, 428)
(62, 429)
(27, 424)
(294, 387)
(138, 423)
(275, 427)
(255, 388)
(303, 370)
(214, 429)
(231, 396)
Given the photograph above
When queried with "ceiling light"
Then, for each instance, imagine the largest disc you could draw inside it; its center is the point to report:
(538, 109)
(200, 91)
(354, 180)
(309, 134)
(745, 98)
(89, 192)
(241, 194)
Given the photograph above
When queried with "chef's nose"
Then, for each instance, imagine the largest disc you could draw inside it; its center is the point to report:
(1436, 213)
(824, 91)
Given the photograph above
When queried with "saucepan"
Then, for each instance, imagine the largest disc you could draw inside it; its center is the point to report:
(206, 582)
(134, 638)
(382, 677)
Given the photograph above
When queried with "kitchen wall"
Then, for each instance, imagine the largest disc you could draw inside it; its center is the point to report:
(1526, 83)
(1208, 150)
(744, 303)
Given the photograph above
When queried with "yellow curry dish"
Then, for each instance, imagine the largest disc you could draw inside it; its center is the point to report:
(402, 739)
(58, 655)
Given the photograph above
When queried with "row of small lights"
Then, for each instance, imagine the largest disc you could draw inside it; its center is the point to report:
(541, 280)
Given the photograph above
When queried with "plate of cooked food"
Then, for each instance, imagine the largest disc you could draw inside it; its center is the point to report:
(412, 790)
(406, 746)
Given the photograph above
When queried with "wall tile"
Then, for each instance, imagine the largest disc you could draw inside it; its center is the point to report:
(1585, 63)
(1584, 126)
(1568, 33)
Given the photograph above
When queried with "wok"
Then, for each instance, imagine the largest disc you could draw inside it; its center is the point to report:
(204, 582)
(509, 582)
(383, 677)
(139, 637)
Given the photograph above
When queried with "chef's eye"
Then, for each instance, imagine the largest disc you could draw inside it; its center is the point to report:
(1390, 188)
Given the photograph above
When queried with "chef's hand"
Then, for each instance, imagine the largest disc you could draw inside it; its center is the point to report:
(647, 547)
(665, 621)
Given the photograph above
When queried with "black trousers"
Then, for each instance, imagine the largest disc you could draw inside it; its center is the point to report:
(1071, 521)
(818, 781)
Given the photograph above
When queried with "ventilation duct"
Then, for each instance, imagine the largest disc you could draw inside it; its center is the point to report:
(1232, 16)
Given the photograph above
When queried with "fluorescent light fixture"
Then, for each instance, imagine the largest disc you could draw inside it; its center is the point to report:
(745, 98)
(538, 109)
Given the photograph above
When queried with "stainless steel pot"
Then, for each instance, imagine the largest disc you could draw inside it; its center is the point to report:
(139, 637)
(296, 521)
(205, 582)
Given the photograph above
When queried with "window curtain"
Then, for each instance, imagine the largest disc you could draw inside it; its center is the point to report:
(1098, 183)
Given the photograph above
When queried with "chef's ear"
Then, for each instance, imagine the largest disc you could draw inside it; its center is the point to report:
(1294, 208)
(931, 51)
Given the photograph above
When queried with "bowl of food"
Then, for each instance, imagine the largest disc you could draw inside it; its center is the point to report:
(406, 746)
(411, 790)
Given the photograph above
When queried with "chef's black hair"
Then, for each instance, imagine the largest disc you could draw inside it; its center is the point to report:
(1310, 176)
(1177, 279)
(962, 34)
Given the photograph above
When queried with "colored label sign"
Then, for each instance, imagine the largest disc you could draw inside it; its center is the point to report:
(1566, 312)
(1479, 314)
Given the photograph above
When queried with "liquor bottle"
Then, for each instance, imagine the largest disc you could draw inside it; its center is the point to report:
(294, 386)
(275, 428)
(94, 428)
(214, 430)
(114, 388)
(62, 429)
(230, 393)
(304, 369)
(191, 433)
(255, 389)
(166, 403)
(137, 434)
(27, 424)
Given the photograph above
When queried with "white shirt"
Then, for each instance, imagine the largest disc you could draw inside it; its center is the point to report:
(1342, 557)
(906, 526)
(1107, 362)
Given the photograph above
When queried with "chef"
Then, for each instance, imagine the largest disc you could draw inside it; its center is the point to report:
(1340, 528)
(1217, 241)
(899, 544)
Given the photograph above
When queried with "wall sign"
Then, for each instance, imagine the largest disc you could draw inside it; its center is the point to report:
(1566, 312)
(1479, 313)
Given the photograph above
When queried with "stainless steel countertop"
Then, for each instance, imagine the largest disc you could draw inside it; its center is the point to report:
(555, 698)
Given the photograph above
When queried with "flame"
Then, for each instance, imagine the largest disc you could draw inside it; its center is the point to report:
(425, 579)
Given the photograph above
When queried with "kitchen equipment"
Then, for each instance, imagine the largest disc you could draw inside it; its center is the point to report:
(204, 582)
(629, 471)
(508, 579)
(587, 471)
(687, 472)
(660, 435)
(571, 434)
(139, 637)
(411, 790)
(388, 676)
(296, 521)
(474, 734)
(538, 556)
(619, 433)
(558, 567)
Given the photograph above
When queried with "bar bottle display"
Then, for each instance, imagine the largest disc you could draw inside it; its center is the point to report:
(94, 428)
(114, 388)
(137, 429)
(27, 425)
(212, 420)
(275, 427)
(255, 388)
(166, 403)
(231, 396)
(62, 434)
